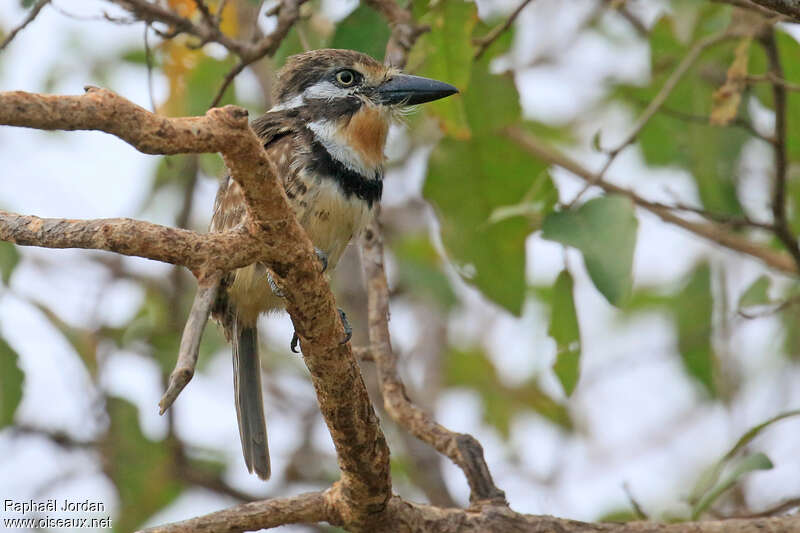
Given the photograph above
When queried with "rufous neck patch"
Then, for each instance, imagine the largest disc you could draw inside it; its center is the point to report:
(365, 133)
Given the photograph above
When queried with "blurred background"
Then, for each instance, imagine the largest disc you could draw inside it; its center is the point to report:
(647, 394)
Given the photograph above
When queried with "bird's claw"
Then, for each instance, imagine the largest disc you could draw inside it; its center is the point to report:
(323, 258)
(348, 332)
(274, 286)
(348, 329)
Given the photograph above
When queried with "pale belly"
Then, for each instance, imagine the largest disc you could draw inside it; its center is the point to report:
(331, 221)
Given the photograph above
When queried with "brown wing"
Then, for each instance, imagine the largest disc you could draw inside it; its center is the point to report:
(277, 130)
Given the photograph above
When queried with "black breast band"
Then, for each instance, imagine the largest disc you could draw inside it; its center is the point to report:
(350, 182)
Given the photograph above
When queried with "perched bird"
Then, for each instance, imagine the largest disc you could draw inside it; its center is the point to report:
(326, 135)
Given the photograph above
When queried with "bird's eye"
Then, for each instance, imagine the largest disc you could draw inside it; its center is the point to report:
(346, 78)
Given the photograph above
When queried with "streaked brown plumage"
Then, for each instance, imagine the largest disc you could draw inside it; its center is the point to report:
(326, 136)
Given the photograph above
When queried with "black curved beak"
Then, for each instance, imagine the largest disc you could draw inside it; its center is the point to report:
(409, 90)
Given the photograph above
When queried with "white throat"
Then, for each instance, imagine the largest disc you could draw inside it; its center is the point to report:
(326, 132)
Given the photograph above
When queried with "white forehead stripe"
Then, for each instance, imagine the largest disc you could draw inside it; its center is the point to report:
(323, 90)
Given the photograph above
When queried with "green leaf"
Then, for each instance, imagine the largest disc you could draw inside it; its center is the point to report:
(711, 475)
(11, 378)
(604, 230)
(749, 463)
(420, 270)
(540, 200)
(363, 30)
(9, 258)
(468, 180)
(142, 470)
(693, 309)
(473, 369)
(565, 331)
(445, 54)
(756, 293)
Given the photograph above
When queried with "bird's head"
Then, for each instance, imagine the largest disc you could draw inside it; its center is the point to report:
(348, 100)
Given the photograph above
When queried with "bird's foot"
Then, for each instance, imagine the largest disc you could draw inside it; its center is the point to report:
(348, 332)
(274, 286)
(323, 258)
(348, 329)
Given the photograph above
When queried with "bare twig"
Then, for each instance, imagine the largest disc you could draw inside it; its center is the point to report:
(656, 103)
(775, 510)
(482, 43)
(464, 450)
(32, 14)
(789, 8)
(777, 260)
(190, 343)
(782, 230)
(288, 11)
(770, 77)
(405, 31)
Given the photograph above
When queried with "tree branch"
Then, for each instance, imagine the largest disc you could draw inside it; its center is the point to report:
(310, 507)
(288, 11)
(782, 230)
(790, 8)
(272, 235)
(405, 31)
(32, 14)
(777, 260)
(486, 41)
(464, 450)
(406, 517)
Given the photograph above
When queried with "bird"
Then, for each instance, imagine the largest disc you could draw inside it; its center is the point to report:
(326, 135)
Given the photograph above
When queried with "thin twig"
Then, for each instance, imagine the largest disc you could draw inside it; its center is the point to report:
(463, 449)
(190, 343)
(778, 260)
(148, 57)
(486, 41)
(34, 12)
(288, 13)
(778, 509)
(782, 230)
(207, 16)
(656, 103)
(770, 77)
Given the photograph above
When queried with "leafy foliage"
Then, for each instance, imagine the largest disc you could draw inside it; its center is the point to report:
(604, 230)
(469, 179)
(565, 331)
(141, 469)
(9, 258)
(473, 369)
(711, 484)
(681, 134)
